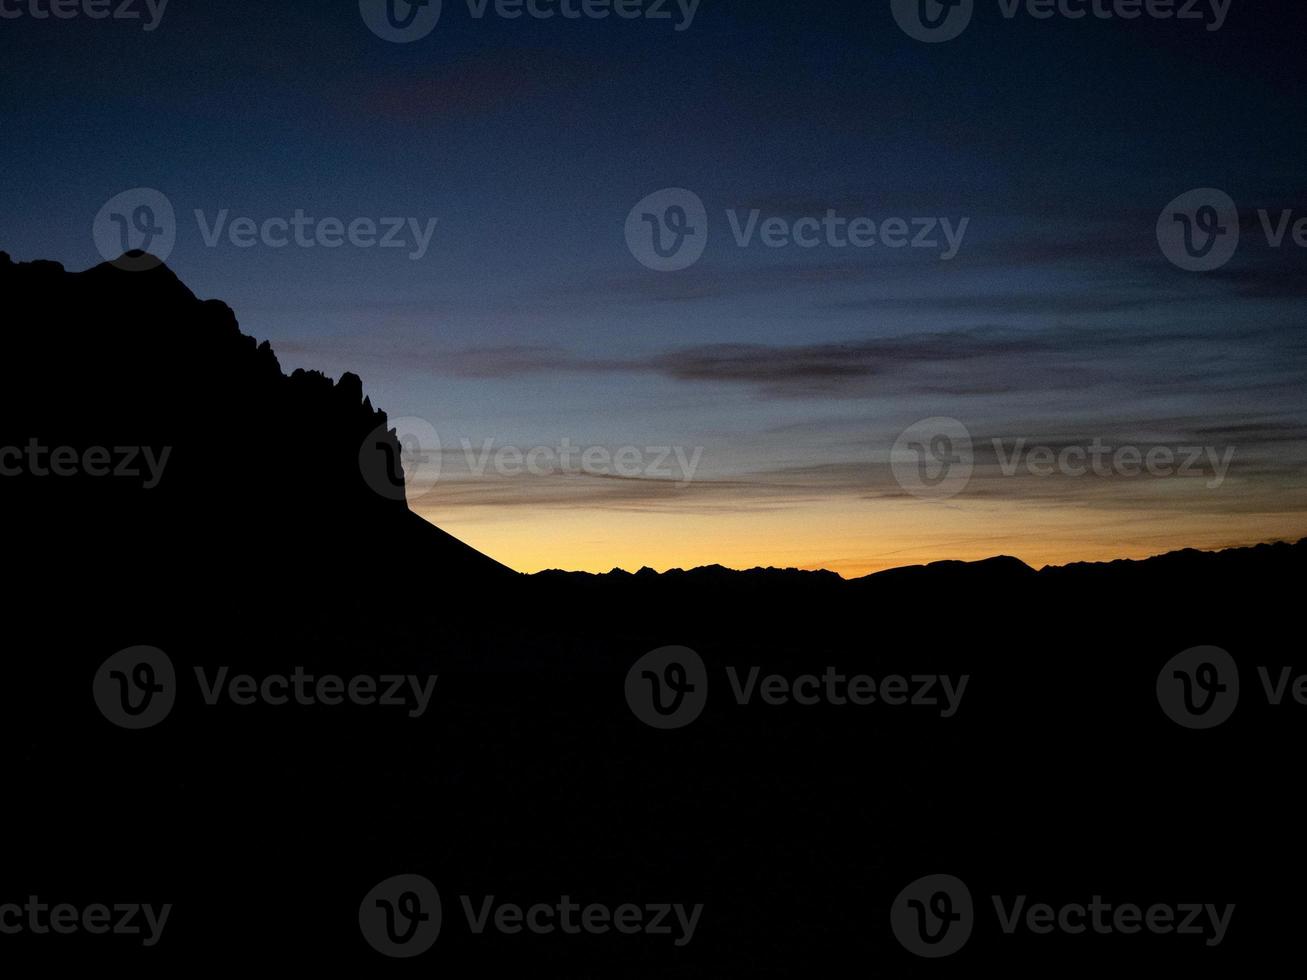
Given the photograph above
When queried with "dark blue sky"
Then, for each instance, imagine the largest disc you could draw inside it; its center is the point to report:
(528, 321)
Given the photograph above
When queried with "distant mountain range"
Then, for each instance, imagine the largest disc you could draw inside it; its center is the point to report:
(998, 568)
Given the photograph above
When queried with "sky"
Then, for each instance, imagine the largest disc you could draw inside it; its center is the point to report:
(910, 299)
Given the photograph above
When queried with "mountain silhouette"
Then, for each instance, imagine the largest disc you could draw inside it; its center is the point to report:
(264, 471)
(276, 536)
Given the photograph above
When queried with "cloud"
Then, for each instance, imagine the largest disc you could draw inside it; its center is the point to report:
(754, 363)
(1278, 279)
(747, 362)
(520, 360)
(471, 87)
(987, 360)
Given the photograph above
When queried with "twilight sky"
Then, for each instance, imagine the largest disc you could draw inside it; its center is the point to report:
(743, 409)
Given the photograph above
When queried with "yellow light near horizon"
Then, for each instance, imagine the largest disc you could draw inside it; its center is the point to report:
(850, 536)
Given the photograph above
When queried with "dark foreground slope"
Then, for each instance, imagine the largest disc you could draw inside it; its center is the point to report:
(530, 775)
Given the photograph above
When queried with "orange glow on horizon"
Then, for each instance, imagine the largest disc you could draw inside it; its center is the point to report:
(851, 537)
